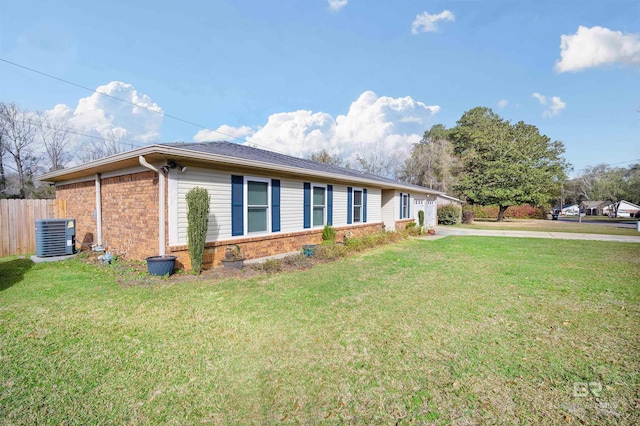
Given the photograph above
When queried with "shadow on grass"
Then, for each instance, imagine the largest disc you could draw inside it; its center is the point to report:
(12, 272)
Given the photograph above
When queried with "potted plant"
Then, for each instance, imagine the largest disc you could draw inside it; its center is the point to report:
(431, 231)
(161, 265)
(233, 257)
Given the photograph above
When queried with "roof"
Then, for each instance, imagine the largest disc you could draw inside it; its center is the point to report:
(593, 204)
(229, 154)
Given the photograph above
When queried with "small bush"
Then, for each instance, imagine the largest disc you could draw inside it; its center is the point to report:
(330, 251)
(448, 214)
(328, 234)
(297, 261)
(270, 266)
(421, 218)
(197, 223)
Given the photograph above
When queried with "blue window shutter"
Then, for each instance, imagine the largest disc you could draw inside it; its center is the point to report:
(364, 205)
(408, 206)
(275, 205)
(237, 208)
(307, 205)
(349, 205)
(329, 204)
(401, 205)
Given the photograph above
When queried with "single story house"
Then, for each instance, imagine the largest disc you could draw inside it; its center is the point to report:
(265, 202)
(623, 209)
(593, 208)
(570, 210)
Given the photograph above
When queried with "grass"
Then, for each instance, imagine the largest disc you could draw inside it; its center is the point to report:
(458, 330)
(552, 226)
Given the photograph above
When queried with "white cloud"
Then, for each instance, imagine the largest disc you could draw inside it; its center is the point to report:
(223, 133)
(554, 104)
(542, 99)
(429, 23)
(110, 118)
(336, 5)
(597, 46)
(503, 103)
(389, 126)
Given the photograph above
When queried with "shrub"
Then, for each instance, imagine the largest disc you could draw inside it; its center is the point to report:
(448, 214)
(421, 218)
(328, 234)
(297, 261)
(467, 216)
(197, 223)
(269, 266)
(330, 251)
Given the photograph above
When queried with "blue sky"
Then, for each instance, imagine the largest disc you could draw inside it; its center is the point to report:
(358, 77)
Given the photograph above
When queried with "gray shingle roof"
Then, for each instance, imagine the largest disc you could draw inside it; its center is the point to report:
(235, 150)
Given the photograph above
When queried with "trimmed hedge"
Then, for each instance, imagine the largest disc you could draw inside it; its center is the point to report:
(524, 211)
(449, 214)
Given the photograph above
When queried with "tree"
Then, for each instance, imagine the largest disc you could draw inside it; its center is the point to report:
(110, 144)
(504, 164)
(432, 162)
(18, 129)
(323, 156)
(613, 184)
(376, 159)
(55, 134)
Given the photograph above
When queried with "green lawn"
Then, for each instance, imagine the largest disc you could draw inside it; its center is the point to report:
(554, 226)
(457, 330)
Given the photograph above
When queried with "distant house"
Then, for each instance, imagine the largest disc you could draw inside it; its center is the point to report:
(265, 202)
(593, 208)
(621, 208)
(570, 210)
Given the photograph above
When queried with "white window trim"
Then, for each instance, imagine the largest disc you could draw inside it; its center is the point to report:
(324, 215)
(353, 205)
(245, 202)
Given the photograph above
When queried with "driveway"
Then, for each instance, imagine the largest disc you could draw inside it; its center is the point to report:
(445, 231)
(631, 223)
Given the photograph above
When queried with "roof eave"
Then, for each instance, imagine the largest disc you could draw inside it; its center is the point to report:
(87, 168)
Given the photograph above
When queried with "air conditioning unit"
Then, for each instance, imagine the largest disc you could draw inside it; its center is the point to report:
(55, 237)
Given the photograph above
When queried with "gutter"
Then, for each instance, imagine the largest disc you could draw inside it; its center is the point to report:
(161, 202)
(99, 208)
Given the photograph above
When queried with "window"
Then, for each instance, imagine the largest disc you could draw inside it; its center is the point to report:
(319, 205)
(405, 206)
(357, 205)
(257, 206)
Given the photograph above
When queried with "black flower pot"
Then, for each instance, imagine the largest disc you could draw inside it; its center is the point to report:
(161, 265)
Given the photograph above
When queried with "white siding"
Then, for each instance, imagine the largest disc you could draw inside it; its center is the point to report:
(339, 205)
(291, 205)
(374, 205)
(219, 186)
(390, 208)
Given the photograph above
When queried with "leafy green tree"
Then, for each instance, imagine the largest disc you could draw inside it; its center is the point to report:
(504, 164)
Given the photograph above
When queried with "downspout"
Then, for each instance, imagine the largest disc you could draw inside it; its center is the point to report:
(161, 202)
(99, 208)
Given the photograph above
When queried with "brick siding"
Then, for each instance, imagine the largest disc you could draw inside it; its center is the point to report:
(401, 225)
(129, 213)
(266, 245)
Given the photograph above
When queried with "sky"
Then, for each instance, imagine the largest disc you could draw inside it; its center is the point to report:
(349, 76)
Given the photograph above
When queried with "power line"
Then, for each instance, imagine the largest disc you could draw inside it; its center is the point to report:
(138, 105)
(117, 99)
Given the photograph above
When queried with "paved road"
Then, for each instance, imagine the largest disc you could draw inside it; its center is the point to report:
(444, 231)
(625, 224)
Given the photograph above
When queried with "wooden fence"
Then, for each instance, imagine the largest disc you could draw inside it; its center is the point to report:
(18, 223)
